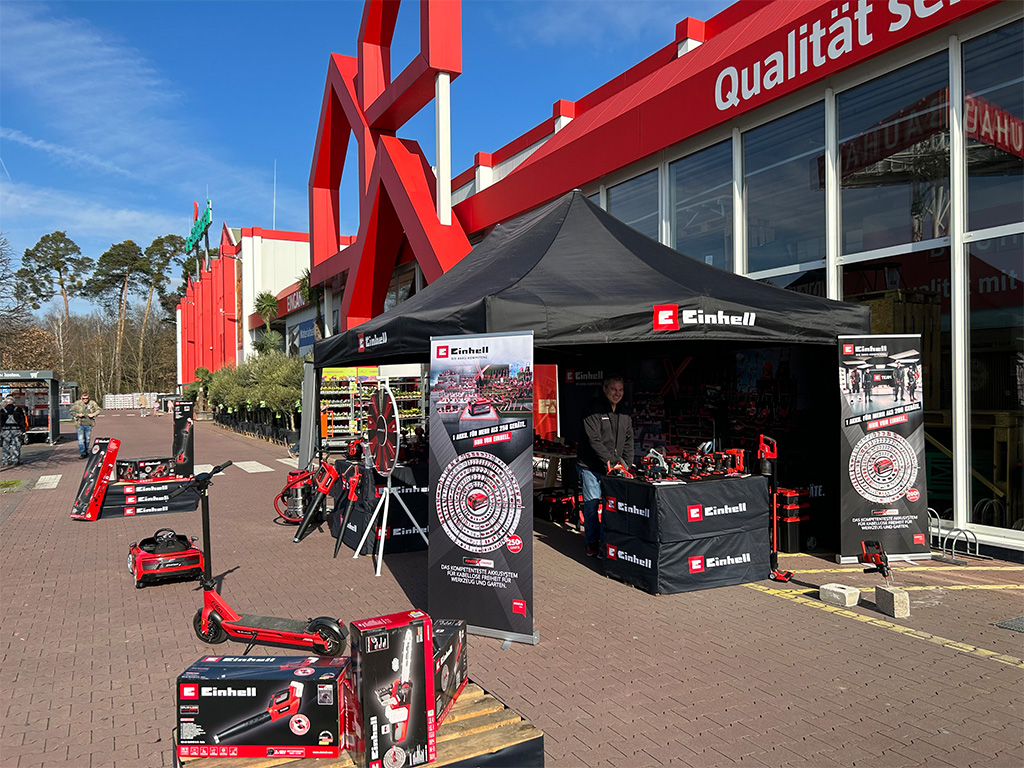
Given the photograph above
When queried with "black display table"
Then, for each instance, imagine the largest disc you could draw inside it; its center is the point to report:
(667, 538)
(413, 485)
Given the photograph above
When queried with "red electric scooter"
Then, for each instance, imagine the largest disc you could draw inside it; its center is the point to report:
(216, 621)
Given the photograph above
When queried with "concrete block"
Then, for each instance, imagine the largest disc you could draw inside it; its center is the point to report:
(839, 594)
(893, 601)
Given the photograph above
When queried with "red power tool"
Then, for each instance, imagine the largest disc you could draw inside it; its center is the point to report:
(768, 453)
(284, 704)
(397, 697)
(871, 553)
(351, 481)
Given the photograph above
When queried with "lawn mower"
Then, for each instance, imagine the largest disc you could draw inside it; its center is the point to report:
(164, 556)
(216, 621)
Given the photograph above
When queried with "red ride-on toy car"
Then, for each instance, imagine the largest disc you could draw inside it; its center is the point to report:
(165, 556)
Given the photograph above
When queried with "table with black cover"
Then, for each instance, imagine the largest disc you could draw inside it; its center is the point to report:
(667, 538)
(412, 483)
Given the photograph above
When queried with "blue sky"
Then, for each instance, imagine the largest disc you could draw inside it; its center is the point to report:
(115, 116)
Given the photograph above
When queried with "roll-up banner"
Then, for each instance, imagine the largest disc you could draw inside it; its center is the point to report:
(184, 433)
(884, 496)
(480, 558)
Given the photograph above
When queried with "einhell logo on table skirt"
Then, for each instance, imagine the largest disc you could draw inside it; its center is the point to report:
(686, 566)
(883, 494)
(480, 558)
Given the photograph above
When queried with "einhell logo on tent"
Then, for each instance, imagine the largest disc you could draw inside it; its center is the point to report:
(616, 553)
(694, 512)
(188, 691)
(847, 349)
(696, 564)
(362, 343)
(667, 317)
(442, 351)
(611, 504)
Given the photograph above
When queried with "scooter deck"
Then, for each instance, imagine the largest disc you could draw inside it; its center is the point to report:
(272, 622)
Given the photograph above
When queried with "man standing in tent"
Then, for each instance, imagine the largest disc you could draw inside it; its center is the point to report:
(607, 440)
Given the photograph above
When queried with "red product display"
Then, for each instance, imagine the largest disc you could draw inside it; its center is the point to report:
(251, 706)
(94, 483)
(389, 691)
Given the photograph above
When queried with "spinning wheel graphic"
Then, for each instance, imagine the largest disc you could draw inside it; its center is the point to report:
(478, 502)
(883, 466)
(383, 432)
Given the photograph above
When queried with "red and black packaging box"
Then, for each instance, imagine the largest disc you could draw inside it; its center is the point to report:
(451, 667)
(150, 497)
(261, 706)
(145, 469)
(389, 691)
(792, 508)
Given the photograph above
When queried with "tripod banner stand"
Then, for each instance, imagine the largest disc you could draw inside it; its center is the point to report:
(480, 557)
(884, 496)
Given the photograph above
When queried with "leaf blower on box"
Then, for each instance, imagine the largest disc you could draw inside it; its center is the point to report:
(284, 703)
(216, 621)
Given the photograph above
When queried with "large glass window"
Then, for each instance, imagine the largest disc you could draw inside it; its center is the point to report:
(894, 157)
(785, 198)
(997, 380)
(994, 127)
(700, 201)
(402, 286)
(910, 293)
(635, 202)
(810, 281)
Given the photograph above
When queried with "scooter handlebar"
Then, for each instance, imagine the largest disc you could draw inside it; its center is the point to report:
(202, 480)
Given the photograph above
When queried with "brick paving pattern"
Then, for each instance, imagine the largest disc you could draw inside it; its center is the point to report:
(758, 675)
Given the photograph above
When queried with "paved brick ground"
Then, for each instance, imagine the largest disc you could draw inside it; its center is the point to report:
(760, 675)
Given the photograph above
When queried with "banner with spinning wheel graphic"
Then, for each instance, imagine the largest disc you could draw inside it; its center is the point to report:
(480, 556)
(884, 496)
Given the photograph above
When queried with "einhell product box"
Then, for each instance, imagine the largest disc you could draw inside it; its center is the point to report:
(145, 469)
(390, 691)
(261, 706)
(450, 664)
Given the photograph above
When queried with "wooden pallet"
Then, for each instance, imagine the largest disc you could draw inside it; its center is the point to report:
(478, 729)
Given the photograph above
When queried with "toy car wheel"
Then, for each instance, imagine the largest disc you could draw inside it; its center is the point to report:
(330, 642)
(140, 584)
(215, 632)
(131, 563)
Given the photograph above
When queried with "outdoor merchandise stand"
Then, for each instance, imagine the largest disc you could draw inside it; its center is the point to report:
(38, 392)
(130, 487)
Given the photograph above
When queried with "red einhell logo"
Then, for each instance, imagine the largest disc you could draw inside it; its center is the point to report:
(700, 564)
(614, 505)
(696, 512)
(616, 553)
(373, 340)
(249, 692)
(667, 317)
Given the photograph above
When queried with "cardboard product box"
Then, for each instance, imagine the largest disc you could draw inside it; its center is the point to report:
(389, 691)
(451, 667)
(261, 706)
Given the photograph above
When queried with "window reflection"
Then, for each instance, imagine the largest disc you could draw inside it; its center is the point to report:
(997, 380)
(811, 282)
(894, 157)
(785, 201)
(994, 127)
(635, 202)
(402, 286)
(700, 201)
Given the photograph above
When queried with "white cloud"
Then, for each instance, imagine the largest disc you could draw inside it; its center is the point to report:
(67, 154)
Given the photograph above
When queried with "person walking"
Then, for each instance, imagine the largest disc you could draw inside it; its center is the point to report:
(84, 414)
(607, 440)
(13, 424)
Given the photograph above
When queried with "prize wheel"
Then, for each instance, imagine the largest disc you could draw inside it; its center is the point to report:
(383, 430)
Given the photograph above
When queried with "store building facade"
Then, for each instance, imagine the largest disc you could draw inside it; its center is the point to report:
(869, 151)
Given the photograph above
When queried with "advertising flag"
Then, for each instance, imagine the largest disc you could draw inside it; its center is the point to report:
(883, 495)
(480, 558)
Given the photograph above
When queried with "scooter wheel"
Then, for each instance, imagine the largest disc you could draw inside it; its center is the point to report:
(330, 642)
(215, 632)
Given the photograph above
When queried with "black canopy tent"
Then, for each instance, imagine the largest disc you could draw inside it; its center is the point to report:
(578, 277)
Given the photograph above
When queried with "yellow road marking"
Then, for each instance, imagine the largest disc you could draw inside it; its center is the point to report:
(853, 567)
(933, 586)
(797, 597)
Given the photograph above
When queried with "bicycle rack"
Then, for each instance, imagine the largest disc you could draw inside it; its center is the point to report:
(936, 536)
(956, 534)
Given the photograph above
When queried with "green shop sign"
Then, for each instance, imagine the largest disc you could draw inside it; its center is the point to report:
(202, 224)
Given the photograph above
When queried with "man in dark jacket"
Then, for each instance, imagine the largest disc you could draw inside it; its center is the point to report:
(607, 439)
(13, 424)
